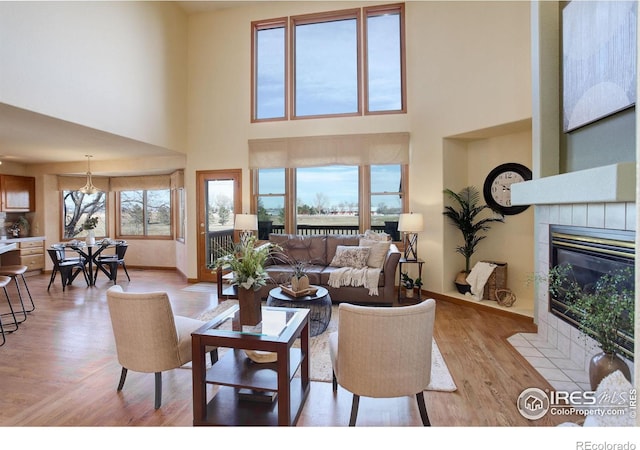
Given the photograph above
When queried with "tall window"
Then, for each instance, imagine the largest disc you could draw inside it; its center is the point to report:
(269, 69)
(385, 59)
(270, 201)
(180, 213)
(327, 57)
(326, 69)
(145, 213)
(386, 197)
(78, 207)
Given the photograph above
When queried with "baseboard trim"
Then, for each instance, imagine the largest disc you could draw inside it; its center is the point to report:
(457, 301)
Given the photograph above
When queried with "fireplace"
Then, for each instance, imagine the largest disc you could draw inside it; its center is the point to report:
(592, 252)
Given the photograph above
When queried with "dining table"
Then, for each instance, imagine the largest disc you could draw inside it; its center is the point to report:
(90, 252)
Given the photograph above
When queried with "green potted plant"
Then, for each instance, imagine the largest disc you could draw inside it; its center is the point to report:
(465, 215)
(246, 262)
(299, 279)
(409, 283)
(604, 311)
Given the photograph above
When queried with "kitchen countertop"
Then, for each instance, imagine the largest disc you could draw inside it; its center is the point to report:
(9, 240)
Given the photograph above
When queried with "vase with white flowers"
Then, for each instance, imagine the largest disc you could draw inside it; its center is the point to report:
(90, 225)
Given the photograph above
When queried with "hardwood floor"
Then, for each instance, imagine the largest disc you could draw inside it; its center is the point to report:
(60, 369)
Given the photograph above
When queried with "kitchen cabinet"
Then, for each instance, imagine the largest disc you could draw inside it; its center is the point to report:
(18, 194)
(29, 252)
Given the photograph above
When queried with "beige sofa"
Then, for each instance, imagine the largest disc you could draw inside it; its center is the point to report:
(317, 252)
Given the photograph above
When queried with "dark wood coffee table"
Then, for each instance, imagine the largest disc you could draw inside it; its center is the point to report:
(233, 372)
(319, 306)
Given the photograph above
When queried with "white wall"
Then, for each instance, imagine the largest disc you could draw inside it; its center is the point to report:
(118, 67)
(468, 68)
(468, 158)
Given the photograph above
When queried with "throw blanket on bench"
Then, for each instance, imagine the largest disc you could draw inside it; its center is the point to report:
(349, 276)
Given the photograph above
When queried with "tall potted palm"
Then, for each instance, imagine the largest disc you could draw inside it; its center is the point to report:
(464, 214)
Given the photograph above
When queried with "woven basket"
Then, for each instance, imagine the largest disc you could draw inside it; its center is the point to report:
(505, 297)
(497, 280)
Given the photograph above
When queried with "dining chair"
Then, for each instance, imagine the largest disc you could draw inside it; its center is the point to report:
(68, 268)
(62, 253)
(149, 337)
(383, 352)
(108, 264)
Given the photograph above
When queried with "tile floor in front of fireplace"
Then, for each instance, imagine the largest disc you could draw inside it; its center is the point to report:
(559, 371)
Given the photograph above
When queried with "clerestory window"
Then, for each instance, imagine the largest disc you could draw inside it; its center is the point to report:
(337, 63)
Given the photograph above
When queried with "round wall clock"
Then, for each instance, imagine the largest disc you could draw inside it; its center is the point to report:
(497, 187)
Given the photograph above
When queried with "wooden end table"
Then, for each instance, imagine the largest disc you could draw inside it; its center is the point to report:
(233, 372)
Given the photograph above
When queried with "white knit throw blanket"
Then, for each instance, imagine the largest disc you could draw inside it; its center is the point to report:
(349, 276)
(478, 278)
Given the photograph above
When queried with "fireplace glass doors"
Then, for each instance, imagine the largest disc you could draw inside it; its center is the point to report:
(592, 252)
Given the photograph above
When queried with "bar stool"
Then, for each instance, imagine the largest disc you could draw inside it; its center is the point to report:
(15, 272)
(4, 281)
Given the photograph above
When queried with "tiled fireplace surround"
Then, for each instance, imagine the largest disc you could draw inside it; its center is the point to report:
(558, 351)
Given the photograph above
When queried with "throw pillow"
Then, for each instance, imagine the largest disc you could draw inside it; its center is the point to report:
(370, 234)
(351, 256)
(378, 252)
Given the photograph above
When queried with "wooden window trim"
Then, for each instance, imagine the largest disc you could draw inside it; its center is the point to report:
(118, 231)
(373, 11)
(260, 25)
(364, 196)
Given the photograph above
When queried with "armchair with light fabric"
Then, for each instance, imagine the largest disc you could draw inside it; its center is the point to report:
(383, 352)
(149, 337)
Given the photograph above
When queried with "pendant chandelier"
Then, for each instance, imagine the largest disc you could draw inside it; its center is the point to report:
(89, 188)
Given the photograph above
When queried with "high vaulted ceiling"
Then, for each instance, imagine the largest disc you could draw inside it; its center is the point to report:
(30, 138)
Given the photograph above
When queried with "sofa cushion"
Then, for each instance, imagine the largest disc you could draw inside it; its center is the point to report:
(378, 252)
(308, 249)
(351, 256)
(281, 273)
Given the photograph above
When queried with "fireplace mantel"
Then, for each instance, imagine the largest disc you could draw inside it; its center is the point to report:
(607, 184)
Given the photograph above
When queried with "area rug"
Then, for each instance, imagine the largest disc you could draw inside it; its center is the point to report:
(441, 379)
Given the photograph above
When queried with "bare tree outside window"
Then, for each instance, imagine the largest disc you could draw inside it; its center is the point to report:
(145, 213)
(79, 207)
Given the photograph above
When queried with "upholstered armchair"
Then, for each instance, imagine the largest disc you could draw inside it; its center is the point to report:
(149, 337)
(383, 352)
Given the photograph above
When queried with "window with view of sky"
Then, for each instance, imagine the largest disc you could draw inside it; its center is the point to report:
(327, 55)
(326, 68)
